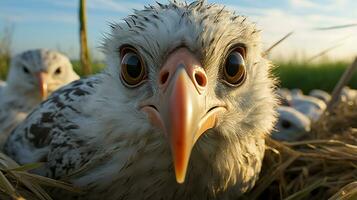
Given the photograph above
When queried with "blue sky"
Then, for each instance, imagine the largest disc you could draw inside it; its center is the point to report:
(54, 23)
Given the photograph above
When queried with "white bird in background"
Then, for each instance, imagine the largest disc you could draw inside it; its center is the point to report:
(296, 92)
(296, 113)
(181, 112)
(320, 94)
(310, 106)
(349, 95)
(292, 124)
(32, 76)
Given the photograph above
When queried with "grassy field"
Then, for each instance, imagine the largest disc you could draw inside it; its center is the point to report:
(312, 76)
(305, 76)
(96, 66)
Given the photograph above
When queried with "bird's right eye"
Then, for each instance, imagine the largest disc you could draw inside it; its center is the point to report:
(26, 71)
(133, 71)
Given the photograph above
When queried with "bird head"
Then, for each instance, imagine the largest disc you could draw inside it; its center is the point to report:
(192, 72)
(292, 124)
(39, 72)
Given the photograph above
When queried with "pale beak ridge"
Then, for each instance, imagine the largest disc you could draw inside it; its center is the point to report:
(42, 83)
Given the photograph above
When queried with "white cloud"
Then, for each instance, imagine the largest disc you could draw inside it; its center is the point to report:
(302, 17)
(326, 6)
(305, 41)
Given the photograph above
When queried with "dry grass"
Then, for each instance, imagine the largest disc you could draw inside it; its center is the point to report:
(17, 183)
(322, 166)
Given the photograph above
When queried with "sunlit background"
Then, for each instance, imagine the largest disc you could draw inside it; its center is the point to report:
(54, 24)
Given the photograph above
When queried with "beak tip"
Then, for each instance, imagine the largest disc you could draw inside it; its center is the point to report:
(43, 87)
(180, 178)
(180, 172)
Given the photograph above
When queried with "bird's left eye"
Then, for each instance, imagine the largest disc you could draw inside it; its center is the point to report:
(132, 68)
(58, 71)
(234, 70)
(285, 124)
(27, 71)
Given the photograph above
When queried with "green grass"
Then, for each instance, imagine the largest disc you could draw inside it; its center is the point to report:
(4, 64)
(305, 76)
(96, 66)
(3, 70)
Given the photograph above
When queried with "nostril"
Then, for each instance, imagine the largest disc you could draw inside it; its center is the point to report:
(163, 78)
(201, 79)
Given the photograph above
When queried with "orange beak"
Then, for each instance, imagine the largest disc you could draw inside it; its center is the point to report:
(182, 111)
(42, 83)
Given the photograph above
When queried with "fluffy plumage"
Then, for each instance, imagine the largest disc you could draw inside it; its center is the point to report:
(33, 74)
(284, 96)
(94, 129)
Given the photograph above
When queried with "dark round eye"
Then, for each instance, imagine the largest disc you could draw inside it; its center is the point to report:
(285, 124)
(58, 71)
(234, 68)
(132, 68)
(27, 71)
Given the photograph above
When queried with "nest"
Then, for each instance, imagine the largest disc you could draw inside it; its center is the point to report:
(321, 166)
(17, 183)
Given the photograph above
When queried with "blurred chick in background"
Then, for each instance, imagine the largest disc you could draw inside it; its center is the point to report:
(33, 75)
